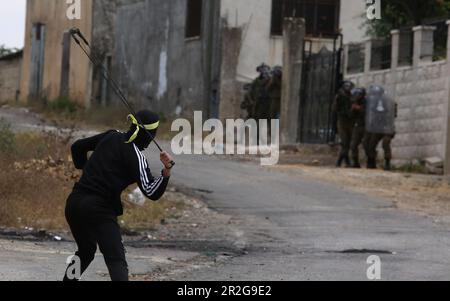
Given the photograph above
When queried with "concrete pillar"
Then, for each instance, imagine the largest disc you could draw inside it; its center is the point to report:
(423, 44)
(345, 64)
(395, 36)
(65, 66)
(447, 110)
(230, 91)
(293, 45)
(367, 55)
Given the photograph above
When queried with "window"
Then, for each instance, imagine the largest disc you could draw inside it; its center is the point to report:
(321, 16)
(194, 18)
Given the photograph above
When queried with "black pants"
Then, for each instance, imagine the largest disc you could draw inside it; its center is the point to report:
(92, 222)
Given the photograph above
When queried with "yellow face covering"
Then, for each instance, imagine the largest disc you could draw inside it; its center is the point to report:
(149, 127)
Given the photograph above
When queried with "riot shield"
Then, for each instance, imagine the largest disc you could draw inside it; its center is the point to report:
(380, 111)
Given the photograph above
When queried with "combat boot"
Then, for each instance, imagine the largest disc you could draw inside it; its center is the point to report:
(371, 163)
(339, 162)
(347, 162)
(356, 164)
(387, 165)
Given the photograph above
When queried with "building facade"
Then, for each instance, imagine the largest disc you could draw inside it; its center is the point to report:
(42, 68)
(169, 55)
(10, 69)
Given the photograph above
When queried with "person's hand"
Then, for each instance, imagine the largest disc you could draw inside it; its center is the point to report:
(166, 160)
(356, 107)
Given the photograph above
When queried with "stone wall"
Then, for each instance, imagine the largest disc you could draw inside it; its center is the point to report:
(157, 66)
(422, 93)
(10, 77)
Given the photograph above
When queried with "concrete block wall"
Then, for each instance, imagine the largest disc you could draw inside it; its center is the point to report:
(10, 78)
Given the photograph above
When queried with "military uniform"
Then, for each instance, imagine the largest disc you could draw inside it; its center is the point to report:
(358, 114)
(274, 91)
(342, 108)
(371, 149)
(263, 101)
(381, 127)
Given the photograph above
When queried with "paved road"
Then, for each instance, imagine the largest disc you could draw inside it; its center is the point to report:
(300, 229)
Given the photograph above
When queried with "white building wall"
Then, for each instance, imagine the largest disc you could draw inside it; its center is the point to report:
(258, 46)
(352, 19)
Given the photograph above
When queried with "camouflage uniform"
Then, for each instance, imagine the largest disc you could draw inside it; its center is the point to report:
(371, 144)
(274, 90)
(261, 94)
(256, 100)
(358, 114)
(342, 107)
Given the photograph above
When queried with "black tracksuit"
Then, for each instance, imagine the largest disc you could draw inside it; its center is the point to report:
(95, 203)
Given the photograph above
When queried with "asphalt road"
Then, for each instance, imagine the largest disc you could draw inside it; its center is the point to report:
(295, 228)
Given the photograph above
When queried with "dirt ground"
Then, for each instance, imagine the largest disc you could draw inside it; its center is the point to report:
(424, 194)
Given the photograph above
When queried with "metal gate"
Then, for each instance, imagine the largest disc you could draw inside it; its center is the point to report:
(320, 78)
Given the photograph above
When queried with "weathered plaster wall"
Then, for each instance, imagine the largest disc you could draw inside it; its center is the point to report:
(156, 65)
(53, 14)
(10, 78)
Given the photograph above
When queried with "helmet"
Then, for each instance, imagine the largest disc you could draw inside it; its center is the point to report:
(359, 93)
(348, 86)
(277, 71)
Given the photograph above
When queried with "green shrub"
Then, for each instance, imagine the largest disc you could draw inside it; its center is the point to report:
(7, 139)
(412, 168)
(63, 105)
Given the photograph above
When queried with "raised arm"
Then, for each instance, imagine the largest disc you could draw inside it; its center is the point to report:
(82, 147)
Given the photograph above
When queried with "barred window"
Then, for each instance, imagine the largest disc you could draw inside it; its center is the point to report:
(194, 18)
(321, 16)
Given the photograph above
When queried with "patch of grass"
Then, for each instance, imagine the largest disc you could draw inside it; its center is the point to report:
(412, 168)
(7, 139)
(63, 105)
(67, 114)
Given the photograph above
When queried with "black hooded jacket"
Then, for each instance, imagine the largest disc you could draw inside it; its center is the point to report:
(113, 166)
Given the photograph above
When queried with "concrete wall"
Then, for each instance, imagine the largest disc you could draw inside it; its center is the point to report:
(156, 65)
(53, 14)
(10, 77)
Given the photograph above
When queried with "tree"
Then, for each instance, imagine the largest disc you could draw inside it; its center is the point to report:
(401, 13)
(5, 50)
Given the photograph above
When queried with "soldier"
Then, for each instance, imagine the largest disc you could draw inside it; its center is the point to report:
(380, 123)
(359, 130)
(342, 108)
(261, 93)
(256, 98)
(274, 89)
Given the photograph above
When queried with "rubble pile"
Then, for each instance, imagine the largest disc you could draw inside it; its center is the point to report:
(55, 168)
